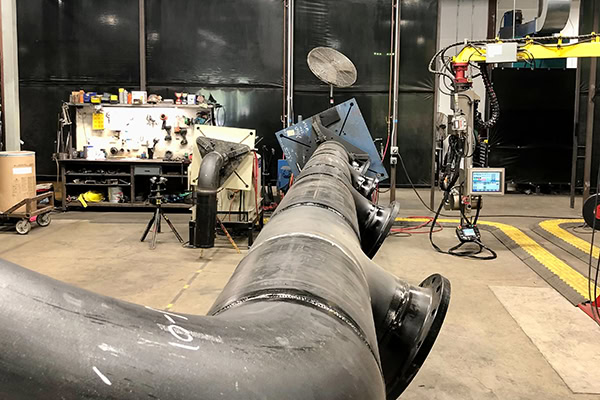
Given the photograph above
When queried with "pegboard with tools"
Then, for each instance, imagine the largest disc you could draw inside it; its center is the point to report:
(137, 131)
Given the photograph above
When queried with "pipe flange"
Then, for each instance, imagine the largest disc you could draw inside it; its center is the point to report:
(417, 329)
(378, 227)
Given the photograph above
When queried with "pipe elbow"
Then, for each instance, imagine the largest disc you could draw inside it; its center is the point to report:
(210, 170)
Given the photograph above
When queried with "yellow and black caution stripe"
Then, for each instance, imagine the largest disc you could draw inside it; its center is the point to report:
(575, 245)
(566, 279)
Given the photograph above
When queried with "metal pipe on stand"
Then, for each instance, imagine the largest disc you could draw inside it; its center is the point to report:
(305, 308)
(394, 137)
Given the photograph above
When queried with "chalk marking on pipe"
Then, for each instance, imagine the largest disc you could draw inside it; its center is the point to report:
(185, 346)
(167, 313)
(194, 334)
(102, 376)
(183, 334)
(149, 342)
(108, 348)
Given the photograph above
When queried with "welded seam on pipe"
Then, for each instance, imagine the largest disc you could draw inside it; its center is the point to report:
(307, 168)
(309, 173)
(312, 236)
(306, 299)
(313, 204)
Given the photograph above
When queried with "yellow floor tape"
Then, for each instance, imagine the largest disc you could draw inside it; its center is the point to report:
(570, 276)
(553, 226)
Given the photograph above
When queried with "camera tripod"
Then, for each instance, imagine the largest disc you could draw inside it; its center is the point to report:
(155, 222)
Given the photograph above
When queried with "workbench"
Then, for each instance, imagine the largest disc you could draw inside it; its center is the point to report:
(133, 176)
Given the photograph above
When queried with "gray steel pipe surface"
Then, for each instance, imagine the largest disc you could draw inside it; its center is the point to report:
(306, 315)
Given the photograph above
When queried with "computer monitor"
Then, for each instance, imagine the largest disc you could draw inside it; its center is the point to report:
(486, 181)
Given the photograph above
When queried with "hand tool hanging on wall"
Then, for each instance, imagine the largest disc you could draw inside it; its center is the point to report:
(165, 127)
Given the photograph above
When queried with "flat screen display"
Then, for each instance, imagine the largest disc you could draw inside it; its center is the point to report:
(469, 232)
(487, 182)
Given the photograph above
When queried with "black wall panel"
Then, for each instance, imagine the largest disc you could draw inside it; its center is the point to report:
(70, 45)
(533, 138)
(214, 42)
(78, 41)
(361, 30)
(233, 50)
(585, 27)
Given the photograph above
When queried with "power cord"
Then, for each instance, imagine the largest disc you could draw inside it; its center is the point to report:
(447, 182)
(593, 288)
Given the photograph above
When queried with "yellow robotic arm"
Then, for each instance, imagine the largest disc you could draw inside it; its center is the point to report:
(529, 49)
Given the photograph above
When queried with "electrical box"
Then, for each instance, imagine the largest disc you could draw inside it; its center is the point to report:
(501, 53)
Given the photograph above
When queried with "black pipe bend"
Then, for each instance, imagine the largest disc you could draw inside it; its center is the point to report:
(306, 315)
(207, 186)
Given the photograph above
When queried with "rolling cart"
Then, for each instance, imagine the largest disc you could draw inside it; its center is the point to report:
(33, 211)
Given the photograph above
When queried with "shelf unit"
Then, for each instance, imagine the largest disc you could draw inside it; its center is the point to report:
(129, 205)
(134, 184)
(159, 105)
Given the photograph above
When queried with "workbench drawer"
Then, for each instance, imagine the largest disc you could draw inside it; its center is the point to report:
(146, 170)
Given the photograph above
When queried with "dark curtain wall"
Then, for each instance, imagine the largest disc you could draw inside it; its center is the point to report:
(361, 30)
(233, 50)
(67, 45)
(586, 26)
(533, 138)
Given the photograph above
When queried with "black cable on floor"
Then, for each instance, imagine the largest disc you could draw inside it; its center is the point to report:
(592, 298)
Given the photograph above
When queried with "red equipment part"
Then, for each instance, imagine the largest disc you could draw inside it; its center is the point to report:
(460, 71)
(592, 308)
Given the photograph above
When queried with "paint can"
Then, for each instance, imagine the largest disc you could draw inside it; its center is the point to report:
(115, 194)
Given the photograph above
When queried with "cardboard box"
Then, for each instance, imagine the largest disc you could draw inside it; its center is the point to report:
(17, 177)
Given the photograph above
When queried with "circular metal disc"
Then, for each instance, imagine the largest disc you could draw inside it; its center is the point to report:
(590, 211)
(332, 67)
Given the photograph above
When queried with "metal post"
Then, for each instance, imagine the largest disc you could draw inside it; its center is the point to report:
(290, 64)
(492, 12)
(10, 75)
(436, 96)
(284, 70)
(575, 152)
(142, 44)
(394, 136)
(514, 17)
(589, 126)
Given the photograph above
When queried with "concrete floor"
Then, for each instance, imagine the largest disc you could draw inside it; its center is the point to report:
(482, 352)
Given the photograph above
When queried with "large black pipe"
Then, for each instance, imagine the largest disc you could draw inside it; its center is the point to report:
(206, 199)
(306, 315)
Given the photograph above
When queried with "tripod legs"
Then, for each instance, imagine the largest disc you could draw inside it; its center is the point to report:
(150, 223)
(155, 229)
(154, 224)
(177, 235)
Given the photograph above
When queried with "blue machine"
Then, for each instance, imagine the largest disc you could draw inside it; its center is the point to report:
(284, 173)
(343, 123)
